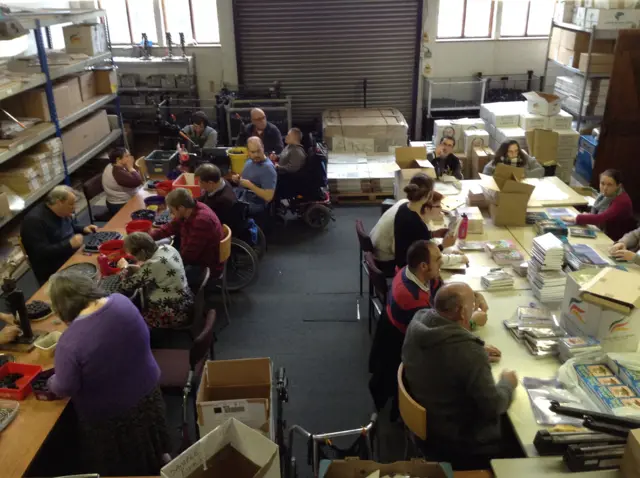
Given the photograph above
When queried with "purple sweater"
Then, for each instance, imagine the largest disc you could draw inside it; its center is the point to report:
(104, 361)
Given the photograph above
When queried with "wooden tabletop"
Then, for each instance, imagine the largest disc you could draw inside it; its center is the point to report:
(22, 439)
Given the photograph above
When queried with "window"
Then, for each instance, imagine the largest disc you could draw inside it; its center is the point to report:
(523, 18)
(467, 19)
(129, 19)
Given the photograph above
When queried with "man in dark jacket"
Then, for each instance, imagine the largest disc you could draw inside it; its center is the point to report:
(218, 195)
(267, 132)
(444, 161)
(448, 372)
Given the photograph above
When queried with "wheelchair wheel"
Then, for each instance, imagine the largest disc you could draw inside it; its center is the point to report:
(242, 265)
(317, 216)
(261, 246)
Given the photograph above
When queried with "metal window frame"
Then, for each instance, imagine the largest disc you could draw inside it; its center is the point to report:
(464, 22)
(526, 26)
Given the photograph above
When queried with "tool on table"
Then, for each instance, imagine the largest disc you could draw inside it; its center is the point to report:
(16, 303)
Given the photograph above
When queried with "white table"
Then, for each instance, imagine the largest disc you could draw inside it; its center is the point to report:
(549, 467)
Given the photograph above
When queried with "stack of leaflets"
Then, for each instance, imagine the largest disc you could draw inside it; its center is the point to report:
(583, 231)
(533, 217)
(545, 268)
(522, 269)
(498, 246)
(507, 258)
(467, 246)
(554, 226)
(581, 256)
(570, 347)
(497, 280)
(537, 329)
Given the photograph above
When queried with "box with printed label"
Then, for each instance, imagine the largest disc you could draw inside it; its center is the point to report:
(611, 19)
(606, 389)
(89, 39)
(239, 389)
(466, 124)
(562, 120)
(474, 138)
(629, 376)
(543, 103)
(568, 138)
(533, 121)
(603, 303)
(511, 134)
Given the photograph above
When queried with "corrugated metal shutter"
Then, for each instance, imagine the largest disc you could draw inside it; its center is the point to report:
(321, 50)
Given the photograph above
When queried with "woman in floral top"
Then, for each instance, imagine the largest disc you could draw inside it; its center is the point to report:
(160, 273)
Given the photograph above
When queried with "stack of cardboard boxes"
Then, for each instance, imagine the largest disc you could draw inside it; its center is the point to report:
(572, 49)
(595, 97)
(469, 134)
(603, 14)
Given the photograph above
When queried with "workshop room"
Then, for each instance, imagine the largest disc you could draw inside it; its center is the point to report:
(319, 238)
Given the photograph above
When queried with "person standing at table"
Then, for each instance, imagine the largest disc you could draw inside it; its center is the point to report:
(628, 247)
(447, 370)
(511, 154)
(120, 180)
(104, 364)
(200, 234)
(49, 233)
(612, 211)
(268, 133)
(443, 159)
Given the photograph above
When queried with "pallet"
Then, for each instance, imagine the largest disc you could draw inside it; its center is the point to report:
(360, 198)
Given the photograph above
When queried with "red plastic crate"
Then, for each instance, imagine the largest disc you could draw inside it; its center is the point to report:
(29, 372)
(181, 182)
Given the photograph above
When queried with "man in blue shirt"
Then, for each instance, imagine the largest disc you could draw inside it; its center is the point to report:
(257, 184)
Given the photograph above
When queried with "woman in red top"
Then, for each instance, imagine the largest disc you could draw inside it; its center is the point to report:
(613, 210)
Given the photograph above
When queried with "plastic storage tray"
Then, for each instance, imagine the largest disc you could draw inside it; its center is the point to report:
(183, 182)
(28, 372)
(161, 162)
(39, 385)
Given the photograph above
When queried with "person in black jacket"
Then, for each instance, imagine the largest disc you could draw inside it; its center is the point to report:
(444, 161)
(49, 233)
(219, 196)
(267, 132)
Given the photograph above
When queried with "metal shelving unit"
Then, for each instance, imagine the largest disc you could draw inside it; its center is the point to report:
(149, 89)
(594, 34)
(35, 22)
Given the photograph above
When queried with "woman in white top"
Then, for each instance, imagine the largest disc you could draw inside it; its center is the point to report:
(120, 180)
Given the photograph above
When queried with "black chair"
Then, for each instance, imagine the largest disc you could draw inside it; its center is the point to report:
(91, 189)
(365, 246)
(378, 288)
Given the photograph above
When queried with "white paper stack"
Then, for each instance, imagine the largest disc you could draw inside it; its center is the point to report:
(545, 268)
(497, 280)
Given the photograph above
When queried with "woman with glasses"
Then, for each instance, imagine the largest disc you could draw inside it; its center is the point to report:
(432, 211)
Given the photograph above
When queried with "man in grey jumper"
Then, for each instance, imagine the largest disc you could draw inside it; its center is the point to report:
(448, 372)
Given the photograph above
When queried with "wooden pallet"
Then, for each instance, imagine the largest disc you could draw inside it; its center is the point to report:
(360, 198)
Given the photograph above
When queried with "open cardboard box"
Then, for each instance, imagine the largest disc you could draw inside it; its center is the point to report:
(508, 196)
(410, 160)
(239, 389)
(605, 304)
(230, 450)
(355, 468)
(543, 104)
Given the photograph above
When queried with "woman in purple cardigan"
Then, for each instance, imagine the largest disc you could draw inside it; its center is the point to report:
(104, 364)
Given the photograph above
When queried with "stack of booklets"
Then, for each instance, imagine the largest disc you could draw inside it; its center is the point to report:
(581, 256)
(507, 258)
(554, 226)
(537, 329)
(497, 280)
(570, 347)
(533, 217)
(545, 268)
(498, 246)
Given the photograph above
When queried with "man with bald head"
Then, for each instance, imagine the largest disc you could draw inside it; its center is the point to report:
(447, 370)
(49, 233)
(257, 183)
(267, 132)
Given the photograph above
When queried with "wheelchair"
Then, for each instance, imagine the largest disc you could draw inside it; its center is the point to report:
(248, 245)
(305, 192)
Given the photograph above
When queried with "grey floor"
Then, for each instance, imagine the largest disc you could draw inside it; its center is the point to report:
(304, 312)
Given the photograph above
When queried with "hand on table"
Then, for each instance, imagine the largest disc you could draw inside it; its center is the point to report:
(493, 353)
(448, 241)
(76, 241)
(91, 228)
(479, 317)
(510, 377)
(8, 334)
(568, 219)
(618, 246)
(625, 255)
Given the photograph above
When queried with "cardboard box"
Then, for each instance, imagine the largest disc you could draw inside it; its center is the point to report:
(444, 127)
(410, 161)
(239, 389)
(507, 195)
(543, 145)
(579, 16)
(610, 19)
(566, 57)
(562, 120)
(461, 126)
(579, 42)
(83, 135)
(86, 38)
(474, 138)
(479, 159)
(231, 450)
(604, 304)
(351, 468)
(106, 81)
(630, 467)
(502, 114)
(563, 12)
(543, 104)
(87, 84)
(568, 138)
(600, 62)
(533, 121)
(511, 134)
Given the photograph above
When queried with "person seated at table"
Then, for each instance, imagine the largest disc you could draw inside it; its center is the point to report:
(382, 233)
(628, 247)
(432, 211)
(409, 225)
(120, 180)
(200, 234)
(104, 364)
(160, 273)
(268, 133)
(293, 156)
(612, 211)
(218, 195)
(49, 233)
(443, 159)
(257, 183)
(199, 131)
(511, 154)
(447, 370)
(9, 332)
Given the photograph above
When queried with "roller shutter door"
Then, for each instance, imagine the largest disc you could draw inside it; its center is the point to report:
(322, 50)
